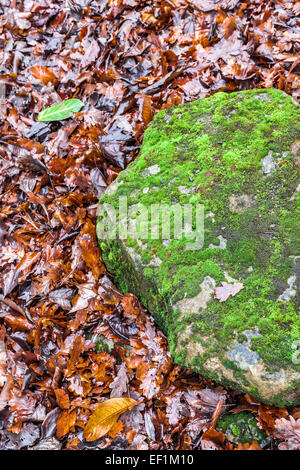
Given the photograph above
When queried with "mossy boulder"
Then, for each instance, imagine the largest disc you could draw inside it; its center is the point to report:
(237, 156)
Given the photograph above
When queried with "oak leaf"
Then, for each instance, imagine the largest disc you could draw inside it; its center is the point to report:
(119, 384)
(226, 290)
(289, 432)
(246, 446)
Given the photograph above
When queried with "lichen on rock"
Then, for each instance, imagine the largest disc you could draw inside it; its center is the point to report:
(237, 155)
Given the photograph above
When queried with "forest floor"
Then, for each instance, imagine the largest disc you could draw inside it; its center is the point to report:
(68, 338)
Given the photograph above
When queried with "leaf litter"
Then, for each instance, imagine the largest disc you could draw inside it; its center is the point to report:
(70, 342)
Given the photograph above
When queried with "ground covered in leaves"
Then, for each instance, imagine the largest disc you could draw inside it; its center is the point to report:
(69, 339)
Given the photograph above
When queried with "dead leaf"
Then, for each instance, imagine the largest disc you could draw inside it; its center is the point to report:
(119, 384)
(147, 113)
(105, 416)
(65, 422)
(227, 290)
(216, 413)
(288, 430)
(228, 26)
(43, 74)
(247, 446)
(91, 54)
(62, 399)
(215, 436)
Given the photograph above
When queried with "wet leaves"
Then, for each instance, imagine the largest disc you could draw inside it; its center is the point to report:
(69, 339)
(288, 431)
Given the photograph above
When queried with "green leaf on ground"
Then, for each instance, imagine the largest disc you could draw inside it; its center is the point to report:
(61, 111)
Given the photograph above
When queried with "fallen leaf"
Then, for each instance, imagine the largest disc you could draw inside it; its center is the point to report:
(216, 413)
(226, 290)
(228, 26)
(61, 111)
(215, 436)
(62, 297)
(289, 432)
(3, 363)
(65, 422)
(62, 399)
(105, 416)
(119, 384)
(43, 74)
(247, 446)
(91, 54)
(147, 113)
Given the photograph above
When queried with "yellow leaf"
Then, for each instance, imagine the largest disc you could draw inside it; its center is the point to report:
(105, 416)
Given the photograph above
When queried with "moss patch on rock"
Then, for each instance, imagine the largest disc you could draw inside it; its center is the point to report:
(237, 156)
(242, 428)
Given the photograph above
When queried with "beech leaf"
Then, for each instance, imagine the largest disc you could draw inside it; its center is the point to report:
(43, 74)
(147, 113)
(61, 111)
(105, 416)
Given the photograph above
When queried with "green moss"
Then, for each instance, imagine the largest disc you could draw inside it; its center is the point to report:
(103, 344)
(209, 151)
(242, 428)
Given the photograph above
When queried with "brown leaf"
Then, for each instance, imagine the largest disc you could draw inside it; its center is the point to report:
(62, 399)
(147, 113)
(91, 54)
(5, 392)
(131, 306)
(247, 446)
(65, 422)
(62, 297)
(228, 26)
(18, 323)
(91, 255)
(268, 414)
(3, 363)
(227, 290)
(216, 413)
(119, 384)
(43, 74)
(214, 436)
(289, 432)
(116, 429)
(105, 416)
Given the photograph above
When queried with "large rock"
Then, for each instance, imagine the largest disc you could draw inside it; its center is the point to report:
(237, 155)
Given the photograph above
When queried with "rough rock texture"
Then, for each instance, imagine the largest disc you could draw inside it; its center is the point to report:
(237, 154)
